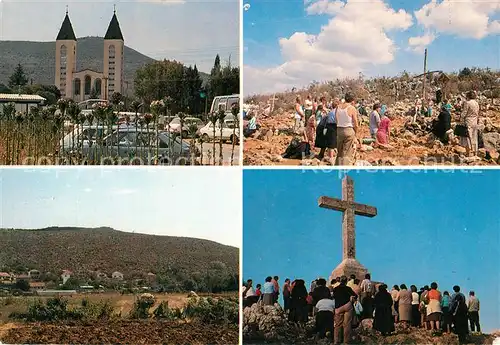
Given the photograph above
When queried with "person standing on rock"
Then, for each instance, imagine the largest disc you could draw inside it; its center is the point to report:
(344, 311)
(299, 116)
(287, 290)
(375, 120)
(383, 321)
(434, 307)
(268, 292)
(367, 292)
(445, 309)
(326, 133)
(276, 288)
(415, 301)
(395, 300)
(469, 119)
(459, 314)
(418, 108)
(347, 127)
(298, 303)
(442, 125)
(404, 305)
(473, 308)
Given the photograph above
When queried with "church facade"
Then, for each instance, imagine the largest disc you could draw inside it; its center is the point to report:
(79, 85)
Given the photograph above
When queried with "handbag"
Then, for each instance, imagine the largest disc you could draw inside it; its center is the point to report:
(358, 308)
(461, 131)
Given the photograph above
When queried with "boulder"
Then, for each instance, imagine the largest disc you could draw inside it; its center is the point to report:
(491, 141)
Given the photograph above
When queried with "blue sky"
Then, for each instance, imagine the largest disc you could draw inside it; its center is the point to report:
(431, 226)
(378, 36)
(173, 202)
(190, 31)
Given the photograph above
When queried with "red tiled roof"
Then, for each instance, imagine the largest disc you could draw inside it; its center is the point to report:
(4, 274)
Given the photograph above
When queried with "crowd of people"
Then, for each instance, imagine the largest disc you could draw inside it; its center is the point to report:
(340, 306)
(333, 126)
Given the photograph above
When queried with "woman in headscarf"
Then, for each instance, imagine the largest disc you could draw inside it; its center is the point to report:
(395, 301)
(383, 322)
(326, 133)
(459, 314)
(442, 125)
(415, 301)
(383, 131)
(404, 304)
(469, 119)
(298, 302)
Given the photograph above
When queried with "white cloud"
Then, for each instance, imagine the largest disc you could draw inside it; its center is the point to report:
(419, 43)
(87, 190)
(355, 37)
(467, 18)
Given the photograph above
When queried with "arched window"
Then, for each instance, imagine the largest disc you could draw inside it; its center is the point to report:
(98, 86)
(77, 86)
(88, 85)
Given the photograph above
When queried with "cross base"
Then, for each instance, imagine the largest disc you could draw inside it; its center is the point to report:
(347, 267)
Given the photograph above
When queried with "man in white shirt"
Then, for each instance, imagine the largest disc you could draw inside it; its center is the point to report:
(367, 291)
(324, 317)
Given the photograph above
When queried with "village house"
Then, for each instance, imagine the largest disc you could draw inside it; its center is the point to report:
(37, 286)
(117, 275)
(6, 278)
(34, 274)
(65, 276)
(102, 275)
(21, 277)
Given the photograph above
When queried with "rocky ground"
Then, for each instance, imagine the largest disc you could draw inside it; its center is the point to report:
(410, 143)
(268, 324)
(130, 332)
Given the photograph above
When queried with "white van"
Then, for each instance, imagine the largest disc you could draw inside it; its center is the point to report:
(224, 103)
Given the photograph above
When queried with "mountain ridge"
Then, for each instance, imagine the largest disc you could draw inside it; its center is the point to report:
(81, 249)
(38, 60)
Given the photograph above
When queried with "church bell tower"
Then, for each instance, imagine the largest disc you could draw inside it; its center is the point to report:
(65, 58)
(113, 58)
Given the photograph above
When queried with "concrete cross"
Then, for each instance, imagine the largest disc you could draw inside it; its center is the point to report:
(350, 209)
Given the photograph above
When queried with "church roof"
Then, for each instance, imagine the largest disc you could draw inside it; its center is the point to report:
(114, 32)
(66, 32)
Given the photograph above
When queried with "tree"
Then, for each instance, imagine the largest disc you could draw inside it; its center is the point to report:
(223, 80)
(18, 78)
(71, 284)
(171, 79)
(4, 89)
(50, 92)
(22, 285)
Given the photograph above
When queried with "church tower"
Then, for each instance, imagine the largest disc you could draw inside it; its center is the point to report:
(65, 58)
(113, 58)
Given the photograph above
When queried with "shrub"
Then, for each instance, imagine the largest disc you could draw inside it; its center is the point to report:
(210, 310)
(141, 307)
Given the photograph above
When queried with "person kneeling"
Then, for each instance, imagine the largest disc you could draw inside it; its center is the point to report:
(325, 317)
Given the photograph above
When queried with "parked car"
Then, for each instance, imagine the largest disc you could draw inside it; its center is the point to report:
(229, 130)
(175, 125)
(86, 134)
(138, 146)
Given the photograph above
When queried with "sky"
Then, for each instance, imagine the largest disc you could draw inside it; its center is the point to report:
(431, 226)
(190, 31)
(317, 40)
(171, 202)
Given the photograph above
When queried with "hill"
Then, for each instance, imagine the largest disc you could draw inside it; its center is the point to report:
(38, 59)
(109, 250)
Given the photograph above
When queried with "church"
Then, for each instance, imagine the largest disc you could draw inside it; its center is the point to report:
(80, 85)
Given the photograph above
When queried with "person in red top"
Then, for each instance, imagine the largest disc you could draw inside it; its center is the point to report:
(276, 288)
(258, 291)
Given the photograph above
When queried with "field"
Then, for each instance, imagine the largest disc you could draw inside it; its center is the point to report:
(116, 329)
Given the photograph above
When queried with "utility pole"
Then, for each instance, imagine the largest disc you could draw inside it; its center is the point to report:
(425, 73)
(272, 107)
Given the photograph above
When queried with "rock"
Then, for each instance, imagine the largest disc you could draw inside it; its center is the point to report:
(473, 159)
(491, 141)
(362, 163)
(459, 149)
(276, 158)
(365, 148)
